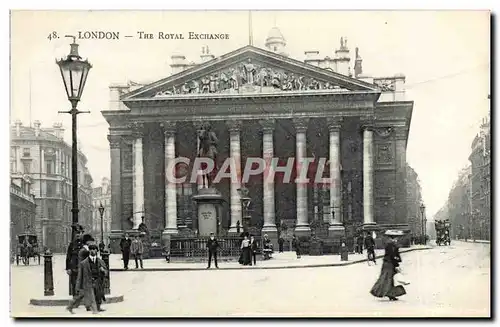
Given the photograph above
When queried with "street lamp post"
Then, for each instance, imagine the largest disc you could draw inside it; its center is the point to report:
(101, 212)
(422, 212)
(245, 203)
(104, 253)
(74, 72)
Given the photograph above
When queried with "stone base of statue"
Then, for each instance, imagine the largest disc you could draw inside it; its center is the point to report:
(209, 201)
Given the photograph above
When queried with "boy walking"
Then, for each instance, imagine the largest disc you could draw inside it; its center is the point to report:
(136, 249)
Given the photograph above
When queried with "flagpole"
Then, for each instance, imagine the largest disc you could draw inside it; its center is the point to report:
(30, 94)
(250, 36)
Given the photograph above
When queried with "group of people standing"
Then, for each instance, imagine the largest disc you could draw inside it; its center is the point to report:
(87, 273)
(248, 250)
(133, 247)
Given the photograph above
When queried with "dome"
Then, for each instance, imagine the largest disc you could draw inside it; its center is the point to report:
(275, 33)
(275, 37)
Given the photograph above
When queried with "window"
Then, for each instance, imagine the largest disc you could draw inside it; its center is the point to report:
(51, 188)
(50, 212)
(27, 167)
(26, 152)
(13, 166)
(49, 165)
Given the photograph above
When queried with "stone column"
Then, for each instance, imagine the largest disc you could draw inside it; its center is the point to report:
(115, 143)
(234, 128)
(42, 160)
(57, 164)
(170, 186)
(334, 125)
(268, 184)
(400, 196)
(302, 224)
(368, 176)
(138, 175)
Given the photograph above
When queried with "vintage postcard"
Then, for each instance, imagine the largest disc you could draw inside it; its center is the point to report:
(250, 164)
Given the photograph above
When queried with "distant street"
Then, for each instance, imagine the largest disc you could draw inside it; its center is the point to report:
(449, 281)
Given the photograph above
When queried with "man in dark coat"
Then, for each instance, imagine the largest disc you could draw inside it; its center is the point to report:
(125, 244)
(296, 245)
(370, 248)
(281, 241)
(253, 248)
(87, 239)
(89, 283)
(212, 246)
(72, 259)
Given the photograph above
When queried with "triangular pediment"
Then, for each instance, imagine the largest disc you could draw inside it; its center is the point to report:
(250, 70)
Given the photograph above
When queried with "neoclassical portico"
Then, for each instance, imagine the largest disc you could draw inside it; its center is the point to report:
(316, 104)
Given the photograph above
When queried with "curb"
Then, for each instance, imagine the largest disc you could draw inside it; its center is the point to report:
(48, 301)
(338, 264)
(476, 241)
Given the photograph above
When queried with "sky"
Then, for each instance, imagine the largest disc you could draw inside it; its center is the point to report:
(445, 56)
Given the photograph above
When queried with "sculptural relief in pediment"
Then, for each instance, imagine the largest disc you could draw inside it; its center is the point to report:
(249, 77)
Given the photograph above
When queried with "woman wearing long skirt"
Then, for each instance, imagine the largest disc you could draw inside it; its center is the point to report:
(246, 252)
(384, 286)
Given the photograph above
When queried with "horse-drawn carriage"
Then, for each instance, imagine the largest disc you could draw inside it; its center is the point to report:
(27, 248)
(442, 232)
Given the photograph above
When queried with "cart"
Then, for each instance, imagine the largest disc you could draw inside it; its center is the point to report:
(442, 232)
(27, 248)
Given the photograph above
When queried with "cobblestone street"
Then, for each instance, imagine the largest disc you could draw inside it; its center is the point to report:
(449, 281)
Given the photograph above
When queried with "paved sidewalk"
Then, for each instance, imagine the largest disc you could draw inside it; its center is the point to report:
(473, 241)
(279, 261)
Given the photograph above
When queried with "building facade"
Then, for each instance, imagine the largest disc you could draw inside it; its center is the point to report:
(263, 104)
(414, 201)
(22, 208)
(480, 183)
(42, 154)
(102, 195)
(458, 207)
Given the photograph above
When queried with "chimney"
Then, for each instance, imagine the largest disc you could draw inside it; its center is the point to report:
(205, 54)
(18, 125)
(358, 64)
(312, 57)
(178, 63)
(37, 125)
(342, 58)
(115, 92)
(58, 130)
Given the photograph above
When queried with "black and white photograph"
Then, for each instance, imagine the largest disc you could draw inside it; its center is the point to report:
(250, 163)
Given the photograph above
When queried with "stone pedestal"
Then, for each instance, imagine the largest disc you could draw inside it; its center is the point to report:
(336, 234)
(48, 275)
(209, 201)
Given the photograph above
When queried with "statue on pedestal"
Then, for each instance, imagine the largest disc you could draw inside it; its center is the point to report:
(207, 149)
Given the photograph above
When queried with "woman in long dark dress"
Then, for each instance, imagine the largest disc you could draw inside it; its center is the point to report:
(384, 286)
(246, 252)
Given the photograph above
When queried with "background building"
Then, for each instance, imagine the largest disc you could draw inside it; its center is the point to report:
(414, 200)
(42, 154)
(480, 183)
(22, 208)
(102, 195)
(469, 202)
